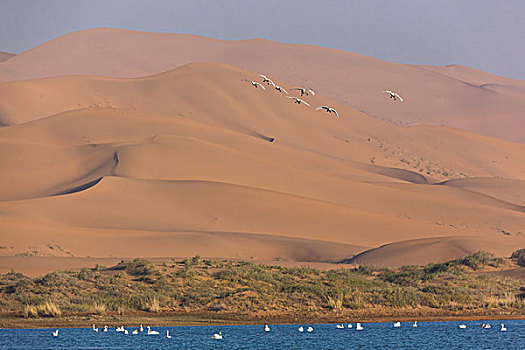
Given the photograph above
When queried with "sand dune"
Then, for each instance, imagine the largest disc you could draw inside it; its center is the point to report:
(425, 251)
(4, 56)
(512, 191)
(197, 161)
(216, 95)
(454, 95)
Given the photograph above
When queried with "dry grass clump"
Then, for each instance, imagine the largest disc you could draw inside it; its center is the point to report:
(98, 308)
(30, 311)
(151, 305)
(47, 309)
(336, 302)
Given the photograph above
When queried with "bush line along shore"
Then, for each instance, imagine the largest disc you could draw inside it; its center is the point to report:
(199, 291)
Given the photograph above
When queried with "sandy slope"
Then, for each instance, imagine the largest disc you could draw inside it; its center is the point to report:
(4, 56)
(454, 95)
(196, 160)
(421, 251)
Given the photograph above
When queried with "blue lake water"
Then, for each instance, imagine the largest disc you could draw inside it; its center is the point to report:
(428, 335)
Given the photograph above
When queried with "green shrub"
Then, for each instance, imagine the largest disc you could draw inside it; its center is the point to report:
(519, 255)
(140, 267)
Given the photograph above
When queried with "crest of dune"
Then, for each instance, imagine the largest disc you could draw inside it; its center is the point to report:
(454, 95)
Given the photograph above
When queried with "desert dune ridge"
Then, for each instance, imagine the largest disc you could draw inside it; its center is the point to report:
(453, 95)
(198, 161)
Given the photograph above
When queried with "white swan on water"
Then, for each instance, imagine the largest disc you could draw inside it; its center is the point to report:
(168, 335)
(358, 327)
(397, 324)
(135, 332)
(340, 326)
(55, 333)
(503, 329)
(217, 336)
(462, 326)
(415, 324)
(300, 329)
(150, 332)
(95, 329)
(266, 328)
(105, 329)
(309, 329)
(349, 325)
(141, 328)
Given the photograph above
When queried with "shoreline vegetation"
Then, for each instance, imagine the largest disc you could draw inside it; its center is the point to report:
(198, 291)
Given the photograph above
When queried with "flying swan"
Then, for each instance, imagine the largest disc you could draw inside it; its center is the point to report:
(254, 83)
(394, 95)
(280, 89)
(328, 110)
(298, 100)
(305, 91)
(267, 80)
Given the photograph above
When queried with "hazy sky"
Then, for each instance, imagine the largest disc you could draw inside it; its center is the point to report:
(486, 34)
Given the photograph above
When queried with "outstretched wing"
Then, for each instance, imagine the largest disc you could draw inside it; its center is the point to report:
(399, 97)
(305, 103)
(286, 92)
(312, 91)
(264, 76)
(321, 107)
(336, 114)
(260, 85)
(388, 91)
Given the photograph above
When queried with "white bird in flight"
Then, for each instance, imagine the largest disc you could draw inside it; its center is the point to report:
(298, 100)
(304, 91)
(280, 89)
(328, 110)
(394, 95)
(254, 83)
(267, 80)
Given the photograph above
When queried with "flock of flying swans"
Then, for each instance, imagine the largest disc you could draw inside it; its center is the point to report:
(307, 92)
